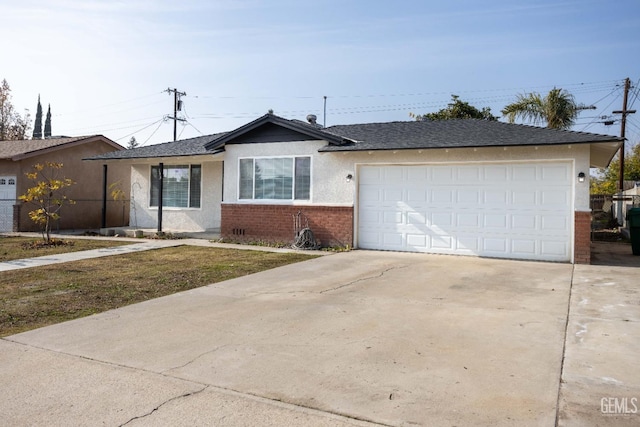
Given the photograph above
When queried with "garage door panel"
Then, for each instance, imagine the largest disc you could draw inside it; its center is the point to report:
(496, 197)
(524, 247)
(391, 217)
(441, 242)
(392, 240)
(417, 241)
(417, 196)
(554, 222)
(554, 248)
(495, 221)
(471, 220)
(470, 244)
(393, 175)
(554, 174)
(444, 219)
(372, 176)
(7, 200)
(441, 174)
(468, 196)
(499, 210)
(555, 198)
(496, 174)
(524, 222)
(445, 195)
(468, 175)
(417, 218)
(524, 173)
(524, 198)
(417, 175)
(392, 195)
(369, 194)
(495, 245)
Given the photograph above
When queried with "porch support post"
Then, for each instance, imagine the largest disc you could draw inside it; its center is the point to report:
(161, 182)
(103, 223)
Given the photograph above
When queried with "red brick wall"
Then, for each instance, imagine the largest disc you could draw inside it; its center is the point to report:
(332, 226)
(582, 243)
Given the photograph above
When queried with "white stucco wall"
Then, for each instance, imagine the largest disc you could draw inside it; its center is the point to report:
(329, 170)
(207, 217)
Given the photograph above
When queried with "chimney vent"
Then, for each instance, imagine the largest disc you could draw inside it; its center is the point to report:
(311, 118)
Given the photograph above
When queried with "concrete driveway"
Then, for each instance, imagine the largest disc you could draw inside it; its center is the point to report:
(357, 338)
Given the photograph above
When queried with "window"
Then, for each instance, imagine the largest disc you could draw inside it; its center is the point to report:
(12, 181)
(275, 178)
(3, 181)
(181, 186)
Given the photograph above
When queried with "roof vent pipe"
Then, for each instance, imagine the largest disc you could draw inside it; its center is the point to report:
(311, 118)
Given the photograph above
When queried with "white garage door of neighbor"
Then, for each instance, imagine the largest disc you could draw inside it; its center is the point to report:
(7, 200)
(508, 210)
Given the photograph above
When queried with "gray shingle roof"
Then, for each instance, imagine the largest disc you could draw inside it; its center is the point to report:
(453, 134)
(378, 136)
(184, 147)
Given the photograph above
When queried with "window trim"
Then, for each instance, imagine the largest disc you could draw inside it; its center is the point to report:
(165, 167)
(293, 200)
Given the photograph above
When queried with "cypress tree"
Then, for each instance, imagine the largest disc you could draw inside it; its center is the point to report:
(47, 123)
(37, 126)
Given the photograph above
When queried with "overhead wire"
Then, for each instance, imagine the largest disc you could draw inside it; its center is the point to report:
(140, 130)
(475, 96)
(154, 132)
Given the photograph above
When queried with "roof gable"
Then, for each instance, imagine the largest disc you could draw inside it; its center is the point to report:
(269, 127)
(22, 149)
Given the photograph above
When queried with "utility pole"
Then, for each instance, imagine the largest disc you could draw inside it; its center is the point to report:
(623, 125)
(177, 106)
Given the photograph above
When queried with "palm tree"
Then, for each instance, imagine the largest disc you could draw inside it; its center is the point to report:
(558, 109)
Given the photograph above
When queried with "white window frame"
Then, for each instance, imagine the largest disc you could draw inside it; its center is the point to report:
(165, 167)
(293, 200)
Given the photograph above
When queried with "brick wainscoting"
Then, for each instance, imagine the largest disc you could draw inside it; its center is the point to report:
(332, 226)
(582, 243)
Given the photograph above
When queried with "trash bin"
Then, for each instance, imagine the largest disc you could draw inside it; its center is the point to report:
(633, 220)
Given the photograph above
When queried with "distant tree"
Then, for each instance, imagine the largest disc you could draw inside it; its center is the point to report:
(457, 109)
(13, 126)
(557, 109)
(37, 126)
(47, 194)
(606, 182)
(132, 143)
(47, 123)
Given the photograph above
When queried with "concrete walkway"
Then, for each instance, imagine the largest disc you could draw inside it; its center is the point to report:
(136, 245)
(359, 338)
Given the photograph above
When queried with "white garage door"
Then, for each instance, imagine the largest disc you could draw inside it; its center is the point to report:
(7, 200)
(495, 210)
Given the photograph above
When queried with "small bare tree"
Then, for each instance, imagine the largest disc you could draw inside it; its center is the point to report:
(47, 194)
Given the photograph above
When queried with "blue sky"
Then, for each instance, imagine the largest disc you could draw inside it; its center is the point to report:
(103, 65)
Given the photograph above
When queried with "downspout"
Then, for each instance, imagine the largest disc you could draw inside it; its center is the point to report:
(103, 223)
(161, 171)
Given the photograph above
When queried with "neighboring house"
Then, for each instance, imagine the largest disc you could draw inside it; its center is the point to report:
(467, 187)
(18, 158)
(622, 202)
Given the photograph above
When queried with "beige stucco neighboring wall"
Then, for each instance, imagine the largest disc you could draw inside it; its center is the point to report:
(329, 170)
(207, 217)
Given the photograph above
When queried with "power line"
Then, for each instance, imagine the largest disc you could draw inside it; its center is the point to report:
(140, 130)
(107, 105)
(154, 132)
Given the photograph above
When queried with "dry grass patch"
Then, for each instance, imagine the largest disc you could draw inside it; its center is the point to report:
(36, 297)
(12, 248)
